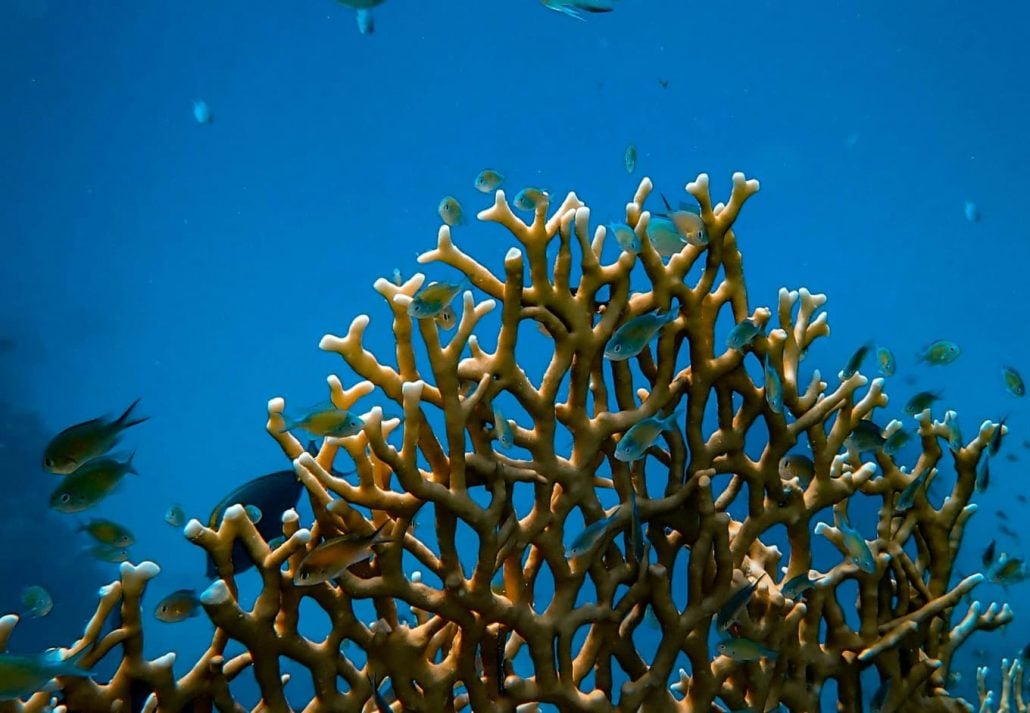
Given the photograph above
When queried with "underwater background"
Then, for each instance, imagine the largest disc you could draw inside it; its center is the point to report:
(196, 265)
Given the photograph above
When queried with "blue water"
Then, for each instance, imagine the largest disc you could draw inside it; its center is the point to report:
(197, 266)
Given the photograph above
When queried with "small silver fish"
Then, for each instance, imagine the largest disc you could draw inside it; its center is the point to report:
(202, 112)
(450, 211)
(741, 649)
(573, 8)
(939, 352)
(529, 198)
(642, 435)
(175, 515)
(631, 338)
(177, 606)
(626, 237)
(488, 181)
(630, 158)
(589, 537)
(502, 429)
(1013, 381)
(742, 334)
(37, 601)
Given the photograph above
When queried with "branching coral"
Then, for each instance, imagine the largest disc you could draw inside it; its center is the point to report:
(709, 500)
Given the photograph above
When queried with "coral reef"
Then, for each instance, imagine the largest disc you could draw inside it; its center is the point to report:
(496, 616)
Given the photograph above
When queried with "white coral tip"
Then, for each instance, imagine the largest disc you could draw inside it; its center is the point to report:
(216, 594)
(193, 529)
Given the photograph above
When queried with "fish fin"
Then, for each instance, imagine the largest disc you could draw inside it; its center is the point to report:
(129, 467)
(668, 206)
(70, 666)
(123, 421)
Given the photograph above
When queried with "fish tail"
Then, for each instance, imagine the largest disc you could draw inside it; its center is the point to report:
(123, 421)
(70, 666)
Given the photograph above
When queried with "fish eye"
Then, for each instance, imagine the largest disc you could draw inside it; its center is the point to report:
(618, 348)
(65, 498)
(48, 462)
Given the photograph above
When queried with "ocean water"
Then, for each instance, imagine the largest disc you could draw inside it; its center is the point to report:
(196, 266)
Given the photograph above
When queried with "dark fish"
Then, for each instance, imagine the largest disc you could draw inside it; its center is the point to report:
(1002, 515)
(855, 362)
(381, 703)
(983, 472)
(1005, 530)
(1021, 498)
(273, 494)
(85, 441)
(502, 640)
(735, 604)
(994, 445)
(866, 436)
(987, 558)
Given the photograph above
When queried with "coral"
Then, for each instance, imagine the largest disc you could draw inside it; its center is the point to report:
(710, 496)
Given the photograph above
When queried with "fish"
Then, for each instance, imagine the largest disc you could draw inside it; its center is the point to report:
(381, 704)
(253, 513)
(880, 696)
(642, 435)
(178, 606)
(971, 212)
(1013, 381)
(109, 533)
(630, 158)
(1008, 570)
(447, 319)
(954, 432)
(21, 676)
(921, 401)
(502, 640)
(202, 112)
(488, 181)
(109, 553)
(589, 537)
(866, 436)
(450, 211)
(939, 353)
(857, 548)
(634, 334)
(37, 601)
(855, 362)
(331, 558)
(626, 237)
(997, 436)
(773, 389)
(1005, 530)
(987, 558)
(688, 223)
(529, 198)
(743, 334)
(796, 465)
(896, 441)
(327, 421)
(89, 484)
(576, 8)
(85, 441)
(908, 496)
(796, 586)
(502, 429)
(366, 23)
(729, 611)
(983, 472)
(175, 515)
(636, 531)
(664, 236)
(273, 494)
(885, 361)
(740, 649)
(434, 298)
